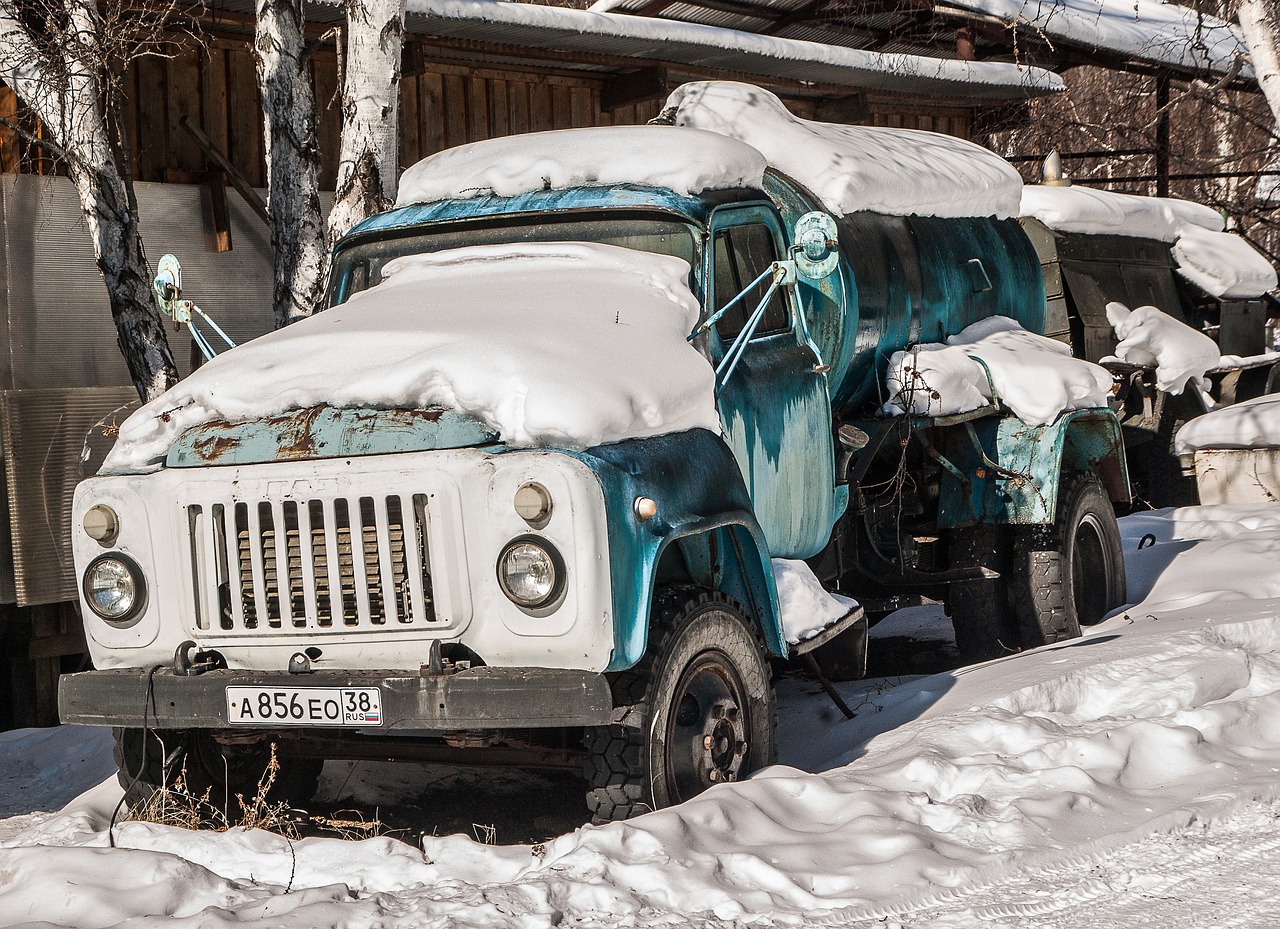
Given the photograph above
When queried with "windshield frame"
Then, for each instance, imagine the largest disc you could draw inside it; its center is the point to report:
(338, 290)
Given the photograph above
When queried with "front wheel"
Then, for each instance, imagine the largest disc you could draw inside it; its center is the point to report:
(1071, 573)
(149, 760)
(704, 708)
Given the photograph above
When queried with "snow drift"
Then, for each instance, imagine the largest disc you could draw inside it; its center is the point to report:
(1164, 714)
(569, 344)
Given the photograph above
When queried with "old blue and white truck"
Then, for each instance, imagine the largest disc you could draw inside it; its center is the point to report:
(355, 571)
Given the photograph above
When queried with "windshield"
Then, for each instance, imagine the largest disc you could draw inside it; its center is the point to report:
(360, 267)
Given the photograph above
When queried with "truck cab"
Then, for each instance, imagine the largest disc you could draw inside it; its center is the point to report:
(334, 568)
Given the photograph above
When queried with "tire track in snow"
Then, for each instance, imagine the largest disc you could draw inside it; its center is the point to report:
(1218, 874)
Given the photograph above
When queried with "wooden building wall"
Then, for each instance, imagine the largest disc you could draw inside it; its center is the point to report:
(441, 105)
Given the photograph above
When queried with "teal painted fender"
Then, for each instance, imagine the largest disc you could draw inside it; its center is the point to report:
(702, 504)
(1023, 490)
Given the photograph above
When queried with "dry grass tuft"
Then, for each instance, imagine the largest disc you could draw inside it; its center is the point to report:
(178, 805)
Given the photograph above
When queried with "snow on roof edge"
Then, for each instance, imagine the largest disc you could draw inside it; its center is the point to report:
(877, 70)
(1168, 34)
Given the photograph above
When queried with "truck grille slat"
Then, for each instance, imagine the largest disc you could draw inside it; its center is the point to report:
(331, 565)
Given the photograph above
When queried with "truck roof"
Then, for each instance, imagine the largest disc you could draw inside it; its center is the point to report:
(724, 136)
(654, 156)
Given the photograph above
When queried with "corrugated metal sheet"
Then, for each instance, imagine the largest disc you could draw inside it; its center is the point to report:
(44, 433)
(52, 298)
(61, 368)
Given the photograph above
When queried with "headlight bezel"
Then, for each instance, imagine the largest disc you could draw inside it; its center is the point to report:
(555, 595)
(132, 615)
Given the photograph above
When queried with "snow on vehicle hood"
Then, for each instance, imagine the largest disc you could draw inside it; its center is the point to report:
(569, 344)
(656, 156)
(852, 168)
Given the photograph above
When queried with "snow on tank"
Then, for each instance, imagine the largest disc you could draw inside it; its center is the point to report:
(1220, 263)
(854, 168)
(655, 156)
(547, 344)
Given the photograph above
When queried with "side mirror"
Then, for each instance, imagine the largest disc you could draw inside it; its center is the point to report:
(816, 253)
(168, 283)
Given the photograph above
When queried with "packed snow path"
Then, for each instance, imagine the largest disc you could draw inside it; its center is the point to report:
(1042, 789)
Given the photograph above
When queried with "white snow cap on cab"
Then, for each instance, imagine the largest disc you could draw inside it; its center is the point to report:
(546, 343)
(654, 156)
(853, 168)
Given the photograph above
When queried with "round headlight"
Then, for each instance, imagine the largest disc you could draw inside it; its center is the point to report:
(114, 589)
(530, 573)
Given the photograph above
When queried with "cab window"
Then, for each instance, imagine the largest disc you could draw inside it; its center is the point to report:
(740, 254)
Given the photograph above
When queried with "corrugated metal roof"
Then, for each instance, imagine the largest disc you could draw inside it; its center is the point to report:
(500, 30)
(1147, 31)
(555, 29)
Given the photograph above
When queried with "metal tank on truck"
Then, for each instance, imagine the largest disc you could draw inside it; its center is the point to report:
(597, 424)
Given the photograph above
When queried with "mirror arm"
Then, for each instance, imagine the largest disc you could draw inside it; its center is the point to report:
(711, 320)
(781, 276)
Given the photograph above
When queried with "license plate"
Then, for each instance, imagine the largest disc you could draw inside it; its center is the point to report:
(304, 706)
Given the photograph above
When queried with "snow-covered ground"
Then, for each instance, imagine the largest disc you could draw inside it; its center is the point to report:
(1126, 778)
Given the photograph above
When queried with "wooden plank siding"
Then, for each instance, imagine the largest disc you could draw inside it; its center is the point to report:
(442, 104)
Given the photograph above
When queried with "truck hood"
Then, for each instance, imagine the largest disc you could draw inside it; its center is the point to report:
(326, 432)
(563, 344)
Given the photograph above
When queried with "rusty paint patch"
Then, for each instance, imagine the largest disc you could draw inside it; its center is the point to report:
(214, 447)
(297, 438)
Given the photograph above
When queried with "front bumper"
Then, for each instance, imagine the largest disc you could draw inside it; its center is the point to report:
(478, 698)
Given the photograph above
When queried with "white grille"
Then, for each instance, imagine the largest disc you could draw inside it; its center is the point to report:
(340, 565)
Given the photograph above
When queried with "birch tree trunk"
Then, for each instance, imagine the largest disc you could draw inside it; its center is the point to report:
(1260, 24)
(293, 161)
(368, 166)
(66, 92)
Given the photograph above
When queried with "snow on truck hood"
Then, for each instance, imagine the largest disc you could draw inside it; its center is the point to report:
(569, 344)
(656, 156)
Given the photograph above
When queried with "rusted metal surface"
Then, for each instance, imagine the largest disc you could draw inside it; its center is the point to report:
(325, 432)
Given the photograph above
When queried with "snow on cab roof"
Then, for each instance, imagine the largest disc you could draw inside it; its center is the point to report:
(658, 156)
(853, 168)
(1220, 263)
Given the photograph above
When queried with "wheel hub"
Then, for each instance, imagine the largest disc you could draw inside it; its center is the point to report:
(724, 743)
(707, 731)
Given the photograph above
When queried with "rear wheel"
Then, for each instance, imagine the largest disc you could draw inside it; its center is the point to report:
(703, 710)
(1071, 573)
(979, 609)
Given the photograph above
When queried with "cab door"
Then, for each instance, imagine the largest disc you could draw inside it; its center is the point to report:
(774, 406)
